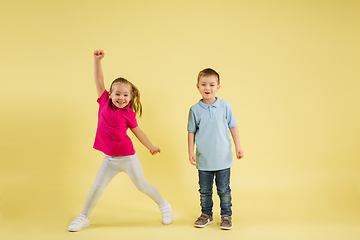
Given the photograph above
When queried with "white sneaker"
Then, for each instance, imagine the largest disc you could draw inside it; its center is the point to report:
(80, 222)
(167, 216)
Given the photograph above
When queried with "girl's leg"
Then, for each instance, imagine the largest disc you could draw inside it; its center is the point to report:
(134, 170)
(105, 174)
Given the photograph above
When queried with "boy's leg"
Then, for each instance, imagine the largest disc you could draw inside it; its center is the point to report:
(206, 181)
(222, 181)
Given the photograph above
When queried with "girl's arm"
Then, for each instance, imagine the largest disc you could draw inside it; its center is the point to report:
(98, 74)
(191, 141)
(145, 141)
(235, 134)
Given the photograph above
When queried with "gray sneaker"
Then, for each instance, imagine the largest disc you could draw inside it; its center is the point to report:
(203, 220)
(226, 222)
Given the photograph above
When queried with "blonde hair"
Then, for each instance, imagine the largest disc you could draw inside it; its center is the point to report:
(135, 103)
(208, 72)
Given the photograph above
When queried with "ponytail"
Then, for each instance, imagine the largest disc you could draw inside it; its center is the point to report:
(135, 103)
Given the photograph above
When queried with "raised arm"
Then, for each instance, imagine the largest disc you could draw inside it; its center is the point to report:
(145, 141)
(191, 143)
(235, 135)
(98, 73)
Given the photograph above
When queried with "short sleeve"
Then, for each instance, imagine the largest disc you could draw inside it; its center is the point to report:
(191, 127)
(132, 120)
(230, 117)
(103, 98)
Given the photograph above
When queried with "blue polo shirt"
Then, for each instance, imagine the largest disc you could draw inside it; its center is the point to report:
(211, 124)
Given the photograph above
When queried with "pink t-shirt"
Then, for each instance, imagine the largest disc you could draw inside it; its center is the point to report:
(111, 137)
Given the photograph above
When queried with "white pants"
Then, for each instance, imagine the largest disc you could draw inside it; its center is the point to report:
(111, 166)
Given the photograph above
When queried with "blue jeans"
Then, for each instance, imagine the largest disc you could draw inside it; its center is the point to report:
(222, 180)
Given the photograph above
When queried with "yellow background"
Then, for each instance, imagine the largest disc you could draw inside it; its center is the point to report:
(290, 69)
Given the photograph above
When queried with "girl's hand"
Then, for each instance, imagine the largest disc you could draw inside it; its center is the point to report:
(239, 153)
(99, 54)
(192, 159)
(155, 150)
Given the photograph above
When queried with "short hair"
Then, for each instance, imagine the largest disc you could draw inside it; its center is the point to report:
(208, 72)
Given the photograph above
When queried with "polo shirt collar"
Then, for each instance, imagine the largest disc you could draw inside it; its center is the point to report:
(215, 104)
(127, 107)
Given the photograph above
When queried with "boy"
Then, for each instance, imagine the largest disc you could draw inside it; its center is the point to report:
(208, 125)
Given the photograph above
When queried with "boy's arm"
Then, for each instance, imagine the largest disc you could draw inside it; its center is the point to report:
(235, 135)
(98, 73)
(145, 141)
(191, 141)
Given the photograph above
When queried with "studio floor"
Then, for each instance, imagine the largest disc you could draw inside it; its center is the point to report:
(140, 226)
(138, 218)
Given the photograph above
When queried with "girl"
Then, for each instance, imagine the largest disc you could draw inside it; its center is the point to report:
(117, 112)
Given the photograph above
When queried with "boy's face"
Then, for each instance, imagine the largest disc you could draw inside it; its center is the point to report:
(208, 87)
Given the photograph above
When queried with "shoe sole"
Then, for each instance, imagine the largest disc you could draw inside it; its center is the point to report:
(76, 230)
(201, 226)
(225, 228)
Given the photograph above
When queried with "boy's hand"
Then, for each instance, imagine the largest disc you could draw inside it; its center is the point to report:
(99, 54)
(239, 153)
(192, 159)
(155, 150)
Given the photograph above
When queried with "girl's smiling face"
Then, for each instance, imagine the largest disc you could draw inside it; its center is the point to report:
(120, 95)
(208, 87)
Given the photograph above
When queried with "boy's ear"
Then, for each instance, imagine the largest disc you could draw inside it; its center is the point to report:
(197, 86)
(218, 87)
